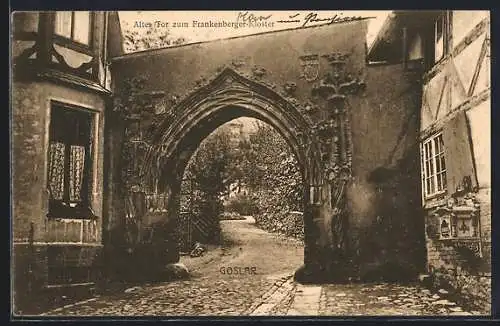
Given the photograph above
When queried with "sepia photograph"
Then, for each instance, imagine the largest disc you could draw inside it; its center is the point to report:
(245, 163)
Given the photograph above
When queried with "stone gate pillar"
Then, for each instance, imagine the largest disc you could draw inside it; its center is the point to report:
(141, 242)
(331, 136)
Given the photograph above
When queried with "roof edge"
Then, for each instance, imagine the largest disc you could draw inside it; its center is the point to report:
(149, 51)
(383, 30)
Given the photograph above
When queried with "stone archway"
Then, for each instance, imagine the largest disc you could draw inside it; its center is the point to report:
(228, 96)
(322, 148)
(307, 83)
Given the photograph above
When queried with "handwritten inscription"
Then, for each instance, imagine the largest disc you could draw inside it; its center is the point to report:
(252, 20)
(313, 18)
(246, 19)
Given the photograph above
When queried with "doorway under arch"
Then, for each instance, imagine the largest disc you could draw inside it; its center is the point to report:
(228, 96)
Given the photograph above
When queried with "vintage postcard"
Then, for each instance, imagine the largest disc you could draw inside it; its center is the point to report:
(250, 163)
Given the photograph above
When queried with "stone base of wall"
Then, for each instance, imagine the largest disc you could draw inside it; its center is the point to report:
(473, 291)
(34, 285)
(463, 272)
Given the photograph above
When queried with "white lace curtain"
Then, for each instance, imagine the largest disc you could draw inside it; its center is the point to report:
(57, 175)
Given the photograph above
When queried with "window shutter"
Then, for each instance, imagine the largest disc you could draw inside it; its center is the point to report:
(458, 153)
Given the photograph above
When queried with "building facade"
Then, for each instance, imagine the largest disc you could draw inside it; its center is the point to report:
(314, 87)
(454, 49)
(60, 94)
(392, 165)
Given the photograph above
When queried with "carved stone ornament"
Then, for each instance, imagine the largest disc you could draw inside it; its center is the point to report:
(174, 99)
(258, 71)
(310, 107)
(473, 246)
(140, 111)
(336, 58)
(238, 62)
(161, 106)
(334, 133)
(310, 67)
(133, 100)
(334, 87)
(463, 214)
(289, 88)
(200, 82)
(337, 83)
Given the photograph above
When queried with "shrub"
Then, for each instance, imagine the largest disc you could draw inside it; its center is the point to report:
(242, 204)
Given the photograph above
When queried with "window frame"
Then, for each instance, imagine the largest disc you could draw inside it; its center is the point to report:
(446, 19)
(429, 154)
(61, 208)
(70, 41)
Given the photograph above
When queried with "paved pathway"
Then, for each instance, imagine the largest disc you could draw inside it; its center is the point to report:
(251, 274)
(228, 280)
(386, 300)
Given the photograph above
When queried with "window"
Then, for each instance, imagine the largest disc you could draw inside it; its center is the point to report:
(69, 162)
(74, 25)
(440, 36)
(433, 166)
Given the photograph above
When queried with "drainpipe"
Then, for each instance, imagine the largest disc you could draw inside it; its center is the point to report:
(405, 50)
(105, 48)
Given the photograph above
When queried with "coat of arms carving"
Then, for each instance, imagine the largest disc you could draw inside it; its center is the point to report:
(310, 67)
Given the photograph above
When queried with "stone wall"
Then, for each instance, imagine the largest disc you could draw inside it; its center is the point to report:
(384, 198)
(273, 60)
(28, 277)
(30, 130)
(180, 70)
(30, 123)
(384, 225)
(466, 276)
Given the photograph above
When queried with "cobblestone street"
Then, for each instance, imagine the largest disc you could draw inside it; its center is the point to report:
(259, 283)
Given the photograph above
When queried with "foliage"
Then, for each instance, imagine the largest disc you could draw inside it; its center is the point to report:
(263, 164)
(139, 39)
(242, 204)
(231, 216)
(275, 168)
(207, 172)
(277, 183)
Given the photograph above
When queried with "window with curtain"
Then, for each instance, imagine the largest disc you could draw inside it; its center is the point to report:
(69, 162)
(74, 25)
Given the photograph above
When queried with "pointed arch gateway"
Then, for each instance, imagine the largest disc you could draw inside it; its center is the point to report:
(228, 96)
